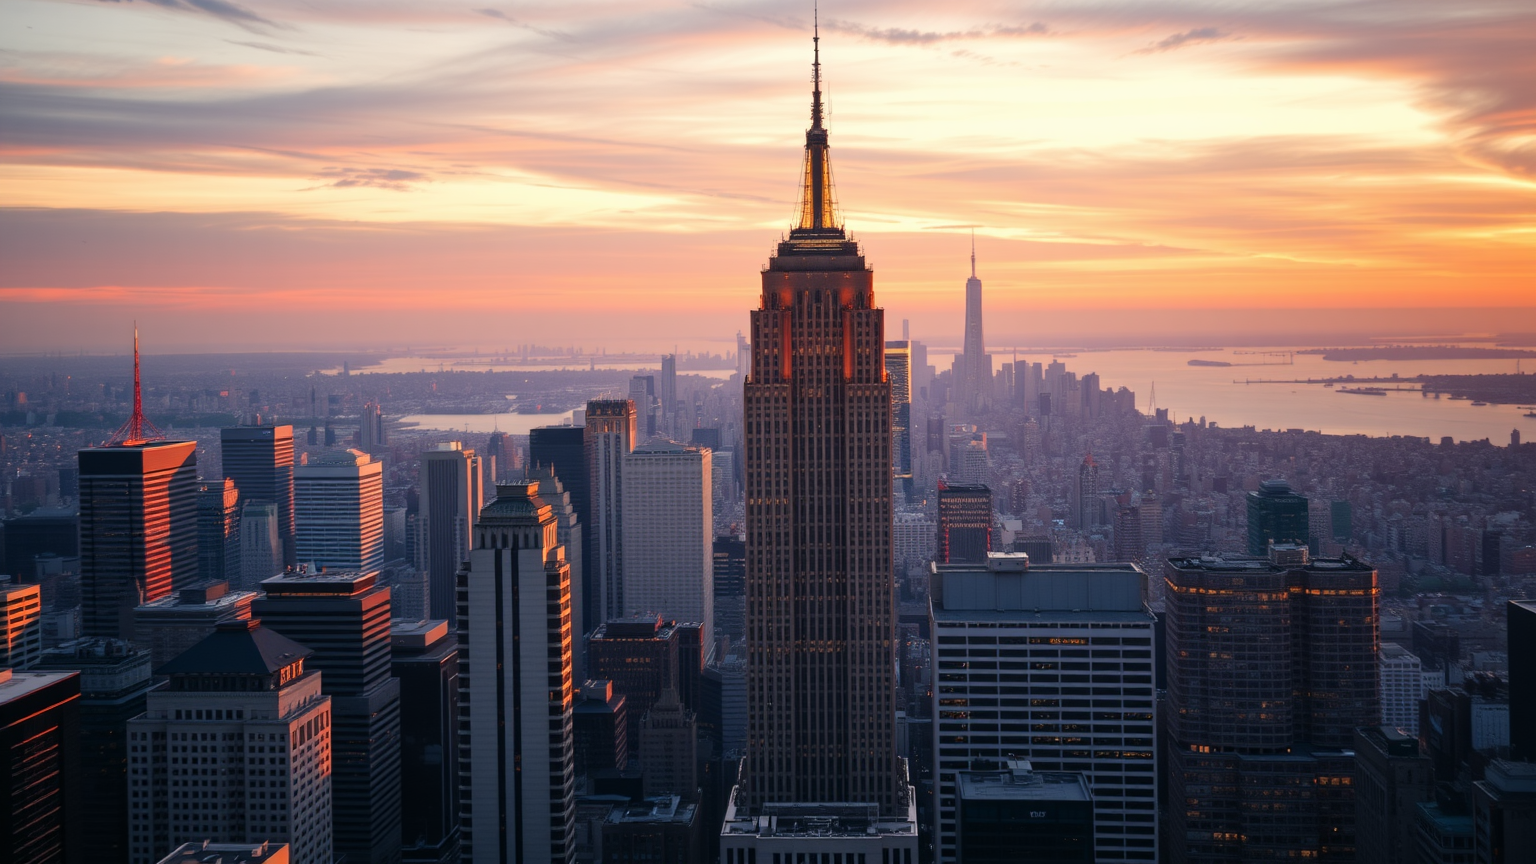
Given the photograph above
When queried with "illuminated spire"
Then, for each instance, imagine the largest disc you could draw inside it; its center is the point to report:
(818, 204)
(138, 429)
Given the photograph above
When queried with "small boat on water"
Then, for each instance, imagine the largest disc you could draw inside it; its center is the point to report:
(1530, 413)
(1479, 403)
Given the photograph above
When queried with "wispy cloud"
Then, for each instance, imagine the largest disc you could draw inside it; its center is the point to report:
(223, 10)
(394, 179)
(907, 36)
(1188, 37)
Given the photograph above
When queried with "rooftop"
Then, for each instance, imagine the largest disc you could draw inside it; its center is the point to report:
(665, 808)
(1018, 782)
(416, 634)
(208, 852)
(14, 685)
(237, 648)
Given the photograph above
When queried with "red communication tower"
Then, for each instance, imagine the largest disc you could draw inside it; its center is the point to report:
(138, 429)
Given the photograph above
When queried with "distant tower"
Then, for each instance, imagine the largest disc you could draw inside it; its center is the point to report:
(138, 520)
(339, 506)
(260, 461)
(218, 530)
(976, 386)
(451, 496)
(1085, 495)
(898, 370)
(666, 389)
(610, 435)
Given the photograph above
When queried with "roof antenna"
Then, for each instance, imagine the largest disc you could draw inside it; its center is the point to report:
(134, 431)
(973, 253)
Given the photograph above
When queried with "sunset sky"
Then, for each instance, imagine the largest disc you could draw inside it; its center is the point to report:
(355, 174)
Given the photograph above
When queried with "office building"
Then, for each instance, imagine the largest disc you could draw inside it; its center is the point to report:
(664, 829)
(502, 454)
(372, 434)
(245, 703)
(1391, 779)
(218, 530)
(1504, 813)
(41, 819)
(666, 388)
(640, 655)
(114, 684)
(41, 532)
(138, 529)
(601, 729)
(669, 740)
(572, 536)
(517, 773)
(730, 576)
(668, 533)
(1275, 515)
(451, 496)
(261, 545)
(1053, 660)
(1012, 814)
(1084, 515)
(343, 617)
(642, 394)
(820, 604)
(1402, 688)
(260, 461)
(338, 505)
(424, 658)
(177, 621)
(1521, 621)
(1272, 668)
(898, 370)
(609, 436)
(973, 366)
(208, 852)
(563, 450)
(21, 624)
(965, 524)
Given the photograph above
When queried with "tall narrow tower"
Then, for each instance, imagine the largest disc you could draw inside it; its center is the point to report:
(976, 380)
(820, 610)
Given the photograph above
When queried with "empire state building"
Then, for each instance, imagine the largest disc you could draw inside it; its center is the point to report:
(820, 609)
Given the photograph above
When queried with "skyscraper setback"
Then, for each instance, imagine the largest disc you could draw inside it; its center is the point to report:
(820, 611)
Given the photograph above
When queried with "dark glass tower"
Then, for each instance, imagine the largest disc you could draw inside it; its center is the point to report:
(138, 529)
(260, 461)
(1275, 515)
(218, 531)
(564, 449)
(344, 619)
(40, 818)
(820, 608)
(425, 660)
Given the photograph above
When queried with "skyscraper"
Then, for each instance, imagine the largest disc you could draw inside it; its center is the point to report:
(1275, 515)
(898, 370)
(338, 503)
(218, 530)
(1085, 495)
(609, 436)
(668, 533)
(564, 450)
(1521, 623)
(974, 363)
(344, 618)
(666, 389)
(571, 535)
(965, 524)
(820, 605)
(179, 620)
(371, 428)
(425, 660)
(21, 624)
(1272, 667)
(40, 817)
(1055, 661)
(261, 549)
(451, 496)
(138, 529)
(260, 461)
(517, 763)
(244, 701)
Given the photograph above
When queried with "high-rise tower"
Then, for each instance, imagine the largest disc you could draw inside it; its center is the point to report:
(260, 461)
(975, 380)
(820, 610)
(451, 496)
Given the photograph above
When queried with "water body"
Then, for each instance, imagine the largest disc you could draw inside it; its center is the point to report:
(1219, 394)
(395, 365)
(512, 424)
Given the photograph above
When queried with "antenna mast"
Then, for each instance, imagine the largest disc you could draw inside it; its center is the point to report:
(138, 429)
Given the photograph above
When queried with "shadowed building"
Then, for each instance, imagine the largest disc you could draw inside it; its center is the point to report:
(40, 816)
(1016, 816)
(218, 530)
(610, 435)
(451, 496)
(425, 660)
(1276, 515)
(965, 524)
(260, 461)
(820, 607)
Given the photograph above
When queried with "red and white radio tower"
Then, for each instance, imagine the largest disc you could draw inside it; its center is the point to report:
(138, 429)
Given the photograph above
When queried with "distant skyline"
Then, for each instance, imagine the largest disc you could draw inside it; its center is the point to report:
(330, 176)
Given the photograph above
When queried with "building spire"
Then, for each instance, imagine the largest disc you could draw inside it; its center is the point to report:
(138, 429)
(818, 204)
(973, 253)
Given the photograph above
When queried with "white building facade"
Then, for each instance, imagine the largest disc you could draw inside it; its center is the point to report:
(338, 511)
(1402, 687)
(669, 533)
(1050, 663)
(236, 748)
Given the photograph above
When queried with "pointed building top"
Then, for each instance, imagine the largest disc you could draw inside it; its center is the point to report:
(818, 205)
(138, 429)
(973, 253)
